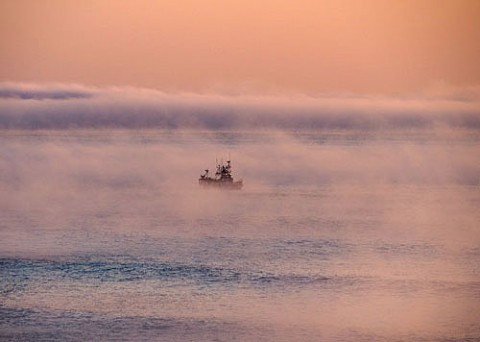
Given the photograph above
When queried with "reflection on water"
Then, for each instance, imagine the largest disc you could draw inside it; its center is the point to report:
(106, 236)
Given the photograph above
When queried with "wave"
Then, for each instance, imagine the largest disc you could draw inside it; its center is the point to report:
(110, 271)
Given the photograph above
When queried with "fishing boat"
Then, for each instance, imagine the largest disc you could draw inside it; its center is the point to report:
(223, 178)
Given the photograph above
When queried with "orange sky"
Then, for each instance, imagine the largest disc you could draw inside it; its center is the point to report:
(190, 45)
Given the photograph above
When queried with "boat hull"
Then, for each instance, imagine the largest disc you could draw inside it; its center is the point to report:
(220, 184)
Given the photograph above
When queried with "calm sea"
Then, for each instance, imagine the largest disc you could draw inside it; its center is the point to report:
(336, 236)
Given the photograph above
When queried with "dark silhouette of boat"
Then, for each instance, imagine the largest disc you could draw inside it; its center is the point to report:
(223, 178)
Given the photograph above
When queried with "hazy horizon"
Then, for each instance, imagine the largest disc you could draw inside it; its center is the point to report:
(63, 106)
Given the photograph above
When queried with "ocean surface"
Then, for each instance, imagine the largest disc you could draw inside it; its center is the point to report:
(336, 236)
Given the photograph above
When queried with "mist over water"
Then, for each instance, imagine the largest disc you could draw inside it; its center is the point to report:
(361, 232)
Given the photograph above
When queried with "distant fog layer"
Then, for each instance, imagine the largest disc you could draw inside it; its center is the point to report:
(65, 106)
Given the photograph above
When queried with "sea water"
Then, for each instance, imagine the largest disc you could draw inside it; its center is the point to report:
(336, 236)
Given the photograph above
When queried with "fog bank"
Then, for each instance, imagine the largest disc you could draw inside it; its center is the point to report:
(64, 106)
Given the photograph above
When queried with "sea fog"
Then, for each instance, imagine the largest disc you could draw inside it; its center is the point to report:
(358, 219)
